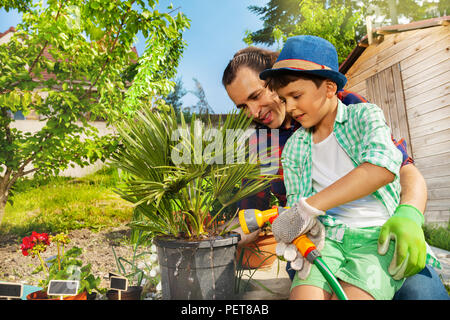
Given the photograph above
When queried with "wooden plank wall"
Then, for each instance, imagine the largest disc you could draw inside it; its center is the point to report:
(385, 89)
(423, 56)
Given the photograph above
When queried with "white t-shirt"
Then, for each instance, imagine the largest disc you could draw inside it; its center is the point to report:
(330, 163)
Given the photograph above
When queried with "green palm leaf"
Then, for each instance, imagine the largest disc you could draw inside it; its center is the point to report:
(170, 197)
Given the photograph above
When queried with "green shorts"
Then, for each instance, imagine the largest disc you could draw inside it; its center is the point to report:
(356, 261)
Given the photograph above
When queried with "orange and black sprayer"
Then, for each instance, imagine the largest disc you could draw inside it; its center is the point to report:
(253, 219)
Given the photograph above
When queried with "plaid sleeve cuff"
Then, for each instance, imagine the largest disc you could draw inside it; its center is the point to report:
(378, 149)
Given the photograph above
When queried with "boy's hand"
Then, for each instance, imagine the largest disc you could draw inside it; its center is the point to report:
(295, 221)
(291, 253)
(405, 227)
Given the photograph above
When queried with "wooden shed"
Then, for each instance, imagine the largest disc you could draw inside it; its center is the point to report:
(406, 71)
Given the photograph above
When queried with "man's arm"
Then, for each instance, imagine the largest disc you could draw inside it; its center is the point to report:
(414, 187)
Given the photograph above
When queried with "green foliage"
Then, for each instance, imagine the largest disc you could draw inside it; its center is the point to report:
(174, 194)
(158, 64)
(71, 62)
(68, 267)
(140, 266)
(282, 13)
(412, 10)
(438, 236)
(342, 22)
(337, 25)
(21, 5)
(336, 21)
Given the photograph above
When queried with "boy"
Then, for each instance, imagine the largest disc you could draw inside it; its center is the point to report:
(341, 161)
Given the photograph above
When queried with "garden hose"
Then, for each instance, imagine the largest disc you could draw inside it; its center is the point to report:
(252, 219)
(331, 279)
(309, 251)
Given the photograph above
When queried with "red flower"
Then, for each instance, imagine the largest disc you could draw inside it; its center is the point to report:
(27, 244)
(30, 241)
(41, 237)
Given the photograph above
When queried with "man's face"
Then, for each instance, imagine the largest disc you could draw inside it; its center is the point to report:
(249, 92)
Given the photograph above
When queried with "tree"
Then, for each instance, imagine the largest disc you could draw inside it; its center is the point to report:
(68, 61)
(284, 14)
(335, 20)
(342, 22)
(174, 98)
(337, 24)
(202, 104)
(411, 10)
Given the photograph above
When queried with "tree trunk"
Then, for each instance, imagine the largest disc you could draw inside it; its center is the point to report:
(3, 200)
(393, 12)
(4, 191)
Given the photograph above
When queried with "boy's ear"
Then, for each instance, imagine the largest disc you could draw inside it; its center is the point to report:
(331, 88)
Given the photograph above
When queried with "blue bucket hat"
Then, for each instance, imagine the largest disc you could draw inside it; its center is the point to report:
(310, 55)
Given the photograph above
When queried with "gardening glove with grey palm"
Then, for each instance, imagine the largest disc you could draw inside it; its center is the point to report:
(405, 228)
(295, 221)
(292, 223)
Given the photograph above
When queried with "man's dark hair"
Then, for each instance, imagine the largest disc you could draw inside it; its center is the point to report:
(256, 59)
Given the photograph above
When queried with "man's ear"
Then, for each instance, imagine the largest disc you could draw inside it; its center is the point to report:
(331, 87)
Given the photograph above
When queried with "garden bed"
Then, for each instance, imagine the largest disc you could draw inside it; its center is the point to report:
(16, 267)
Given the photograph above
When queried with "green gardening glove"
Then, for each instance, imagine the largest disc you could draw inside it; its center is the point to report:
(405, 227)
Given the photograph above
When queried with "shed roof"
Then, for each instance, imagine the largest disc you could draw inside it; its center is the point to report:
(361, 46)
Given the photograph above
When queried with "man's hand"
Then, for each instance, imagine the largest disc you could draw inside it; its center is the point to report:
(405, 228)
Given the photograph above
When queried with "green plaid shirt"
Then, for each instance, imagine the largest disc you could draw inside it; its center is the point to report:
(362, 132)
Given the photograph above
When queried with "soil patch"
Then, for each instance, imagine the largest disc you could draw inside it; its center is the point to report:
(96, 246)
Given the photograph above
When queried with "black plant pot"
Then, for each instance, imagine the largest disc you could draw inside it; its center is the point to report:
(91, 296)
(133, 293)
(197, 270)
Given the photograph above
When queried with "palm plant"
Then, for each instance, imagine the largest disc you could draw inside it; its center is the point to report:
(172, 194)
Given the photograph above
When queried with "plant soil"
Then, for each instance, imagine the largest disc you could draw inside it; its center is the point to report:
(96, 246)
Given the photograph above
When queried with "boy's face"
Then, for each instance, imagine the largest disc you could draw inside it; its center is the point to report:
(249, 92)
(307, 103)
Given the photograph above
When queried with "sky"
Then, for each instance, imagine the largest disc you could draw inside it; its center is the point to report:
(216, 33)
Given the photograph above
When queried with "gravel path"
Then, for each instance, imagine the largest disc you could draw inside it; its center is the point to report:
(444, 259)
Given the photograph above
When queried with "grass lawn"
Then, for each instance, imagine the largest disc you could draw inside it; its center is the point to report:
(438, 236)
(62, 203)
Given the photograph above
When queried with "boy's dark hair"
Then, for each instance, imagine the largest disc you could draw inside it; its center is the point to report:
(282, 80)
(256, 59)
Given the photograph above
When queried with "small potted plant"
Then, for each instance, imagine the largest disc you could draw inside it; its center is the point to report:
(260, 253)
(141, 269)
(174, 175)
(63, 266)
